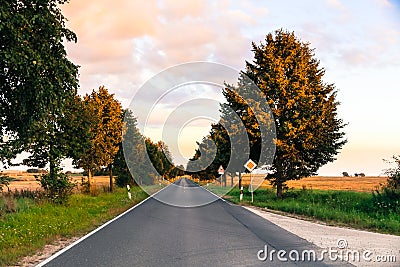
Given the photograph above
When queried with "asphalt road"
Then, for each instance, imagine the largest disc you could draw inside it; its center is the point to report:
(158, 234)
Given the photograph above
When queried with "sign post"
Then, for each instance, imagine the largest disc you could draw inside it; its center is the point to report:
(221, 172)
(250, 166)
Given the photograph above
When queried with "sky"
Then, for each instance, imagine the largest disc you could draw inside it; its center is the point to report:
(122, 44)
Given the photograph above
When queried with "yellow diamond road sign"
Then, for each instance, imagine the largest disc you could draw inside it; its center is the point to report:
(250, 165)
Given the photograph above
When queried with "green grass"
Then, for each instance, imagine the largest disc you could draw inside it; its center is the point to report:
(216, 189)
(34, 225)
(345, 208)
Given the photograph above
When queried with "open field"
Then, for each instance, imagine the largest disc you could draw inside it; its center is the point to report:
(27, 181)
(360, 184)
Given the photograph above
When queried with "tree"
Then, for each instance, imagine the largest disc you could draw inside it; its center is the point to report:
(35, 75)
(204, 164)
(393, 181)
(387, 198)
(237, 136)
(160, 158)
(140, 158)
(105, 132)
(304, 108)
(37, 82)
(308, 131)
(130, 153)
(177, 171)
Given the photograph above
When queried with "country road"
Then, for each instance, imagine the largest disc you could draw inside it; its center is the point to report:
(158, 234)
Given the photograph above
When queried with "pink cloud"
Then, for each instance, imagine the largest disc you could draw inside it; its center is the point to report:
(173, 32)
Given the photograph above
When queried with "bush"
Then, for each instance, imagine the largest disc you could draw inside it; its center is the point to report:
(123, 179)
(387, 197)
(58, 186)
(393, 182)
(387, 200)
(4, 181)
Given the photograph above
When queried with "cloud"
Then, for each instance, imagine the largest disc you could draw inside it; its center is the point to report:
(180, 9)
(105, 30)
(125, 37)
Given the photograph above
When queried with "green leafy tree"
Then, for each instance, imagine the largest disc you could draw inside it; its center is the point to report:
(160, 158)
(105, 132)
(37, 82)
(308, 130)
(140, 160)
(133, 143)
(177, 171)
(58, 189)
(213, 151)
(386, 199)
(35, 75)
(393, 181)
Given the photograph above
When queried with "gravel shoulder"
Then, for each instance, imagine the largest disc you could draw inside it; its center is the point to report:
(384, 248)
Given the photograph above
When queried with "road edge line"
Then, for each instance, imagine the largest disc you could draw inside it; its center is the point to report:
(221, 198)
(58, 253)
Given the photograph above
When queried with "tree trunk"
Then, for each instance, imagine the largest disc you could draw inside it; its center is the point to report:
(52, 163)
(90, 179)
(52, 168)
(279, 178)
(279, 189)
(111, 178)
(240, 180)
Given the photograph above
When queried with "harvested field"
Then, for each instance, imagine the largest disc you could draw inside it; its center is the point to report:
(27, 181)
(360, 184)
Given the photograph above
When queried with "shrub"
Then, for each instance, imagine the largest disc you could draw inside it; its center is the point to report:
(4, 181)
(58, 186)
(393, 181)
(123, 179)
(387, 198)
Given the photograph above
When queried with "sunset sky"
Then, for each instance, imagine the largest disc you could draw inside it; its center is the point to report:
(121, 44)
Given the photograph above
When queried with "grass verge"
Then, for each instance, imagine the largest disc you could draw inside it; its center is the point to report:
(34, 225)
(340, 208)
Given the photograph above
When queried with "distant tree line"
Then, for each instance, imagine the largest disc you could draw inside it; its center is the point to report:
(346, 174)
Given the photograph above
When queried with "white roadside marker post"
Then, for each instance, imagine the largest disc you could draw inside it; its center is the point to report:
(221, 172)
(241, 193)
(129, 191)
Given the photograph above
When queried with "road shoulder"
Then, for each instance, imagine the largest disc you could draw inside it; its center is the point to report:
(325, 236)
